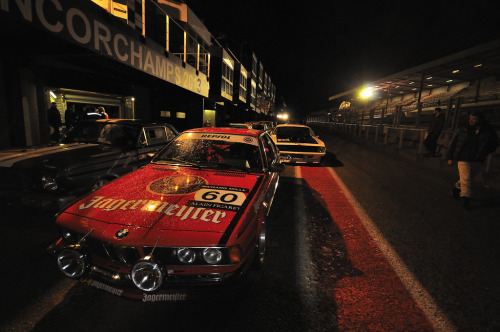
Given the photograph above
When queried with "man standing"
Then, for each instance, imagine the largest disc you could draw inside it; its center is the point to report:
(435, 128)
(70, 118)
(102, 112)
(469, 148)
(55, 123)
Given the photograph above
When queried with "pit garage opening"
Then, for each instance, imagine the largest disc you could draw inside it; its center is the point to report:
(86, 103)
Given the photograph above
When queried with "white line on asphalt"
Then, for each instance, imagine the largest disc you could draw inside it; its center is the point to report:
(420, 295)
(304, 266)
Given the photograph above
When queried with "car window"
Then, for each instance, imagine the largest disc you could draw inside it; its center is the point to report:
(155, 135)
(270, 150)
(294, 135)
(170, 134)
(192, 149)
(104, 133)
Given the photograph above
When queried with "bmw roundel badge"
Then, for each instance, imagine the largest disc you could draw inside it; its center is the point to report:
(121, 233)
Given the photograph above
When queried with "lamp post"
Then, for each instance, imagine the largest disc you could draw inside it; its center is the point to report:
(366, 94)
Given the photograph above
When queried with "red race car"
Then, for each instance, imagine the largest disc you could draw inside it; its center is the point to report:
(193, 217)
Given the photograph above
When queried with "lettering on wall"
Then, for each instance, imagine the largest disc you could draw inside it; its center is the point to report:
(68, 20)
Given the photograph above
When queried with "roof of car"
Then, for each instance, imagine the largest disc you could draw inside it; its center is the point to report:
(130, 122)
(226, 130)
(292, 125)
(243, 125)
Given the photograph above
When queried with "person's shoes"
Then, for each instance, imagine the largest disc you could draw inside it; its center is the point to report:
(455, 193)
(466, 203)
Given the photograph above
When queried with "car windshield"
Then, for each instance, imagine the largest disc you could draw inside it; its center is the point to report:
(192, 150)
(236, 125)
(294, 135)
(104, 133)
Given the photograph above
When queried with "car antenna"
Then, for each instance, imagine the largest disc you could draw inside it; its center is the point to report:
(154, 247)
(85, 236)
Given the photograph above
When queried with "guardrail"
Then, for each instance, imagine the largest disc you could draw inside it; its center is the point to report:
(407, 138)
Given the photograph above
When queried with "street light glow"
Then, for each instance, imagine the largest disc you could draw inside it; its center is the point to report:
(367, 93)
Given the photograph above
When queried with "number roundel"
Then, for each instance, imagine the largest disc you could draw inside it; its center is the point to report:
(220, 196)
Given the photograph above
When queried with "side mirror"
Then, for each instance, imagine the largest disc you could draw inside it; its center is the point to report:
(277, 168)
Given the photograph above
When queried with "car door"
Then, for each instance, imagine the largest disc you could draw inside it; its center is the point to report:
(270, 185)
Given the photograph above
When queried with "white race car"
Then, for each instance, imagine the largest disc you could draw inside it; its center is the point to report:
(298, 144)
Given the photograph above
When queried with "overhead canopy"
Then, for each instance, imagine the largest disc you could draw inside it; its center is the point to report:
(469, 65)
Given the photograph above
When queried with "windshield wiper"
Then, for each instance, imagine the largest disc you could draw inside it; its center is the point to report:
(180, 162)
(232, 167)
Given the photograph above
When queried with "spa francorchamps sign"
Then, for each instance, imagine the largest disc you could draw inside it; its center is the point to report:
(85, 24)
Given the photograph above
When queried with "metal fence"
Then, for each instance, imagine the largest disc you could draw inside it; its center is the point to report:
(402, 138)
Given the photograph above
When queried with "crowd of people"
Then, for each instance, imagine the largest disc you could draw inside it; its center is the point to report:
(71, 118)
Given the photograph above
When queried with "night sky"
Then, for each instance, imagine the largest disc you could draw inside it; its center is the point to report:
(313, 50)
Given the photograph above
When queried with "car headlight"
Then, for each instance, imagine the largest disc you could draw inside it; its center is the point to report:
(212, 255)
(72, 262)
(186, 255)
(49, 183)
(147, 275)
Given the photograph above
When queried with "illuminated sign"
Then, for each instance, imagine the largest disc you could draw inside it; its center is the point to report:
(88, 27)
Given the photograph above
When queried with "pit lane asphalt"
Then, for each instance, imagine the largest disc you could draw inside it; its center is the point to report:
(451, 251)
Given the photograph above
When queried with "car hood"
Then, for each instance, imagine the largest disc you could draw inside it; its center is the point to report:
(56, 156)
(169, 198)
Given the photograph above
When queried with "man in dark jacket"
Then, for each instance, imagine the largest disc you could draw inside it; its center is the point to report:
(469, 148)
(435, 128)
(55, 123)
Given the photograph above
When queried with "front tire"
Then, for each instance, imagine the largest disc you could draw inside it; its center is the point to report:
(260, 255)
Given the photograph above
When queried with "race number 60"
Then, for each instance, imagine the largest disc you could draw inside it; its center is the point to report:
(220, 196)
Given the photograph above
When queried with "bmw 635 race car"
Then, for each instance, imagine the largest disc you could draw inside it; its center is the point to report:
(193, 217)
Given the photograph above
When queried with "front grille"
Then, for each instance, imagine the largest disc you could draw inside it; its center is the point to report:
(122, 254)
(298, 148)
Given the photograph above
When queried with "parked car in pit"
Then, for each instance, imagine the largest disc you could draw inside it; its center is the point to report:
(298, 144)
(240, 125)
(92, 154)
(266, 126)
(192, 219)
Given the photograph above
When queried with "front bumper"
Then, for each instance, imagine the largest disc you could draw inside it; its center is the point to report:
(180, 283)
(301, 158)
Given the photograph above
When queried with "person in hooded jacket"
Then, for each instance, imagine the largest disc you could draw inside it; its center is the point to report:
(469, 148)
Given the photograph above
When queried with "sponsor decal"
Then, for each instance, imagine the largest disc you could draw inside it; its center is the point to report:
(122, 233)
(164, 297)
(219, 197)
(216, 136)
(183, 212)
(208, 203)
(104, 287)
(177, 185)
(219, 137)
